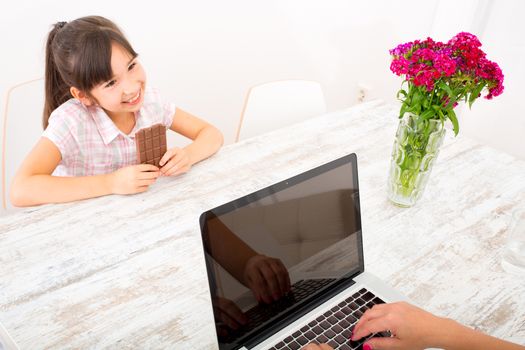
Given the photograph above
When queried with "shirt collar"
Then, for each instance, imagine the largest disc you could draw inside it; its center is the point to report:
(107, 129)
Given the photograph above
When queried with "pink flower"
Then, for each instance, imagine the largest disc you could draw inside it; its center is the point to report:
(460, 64)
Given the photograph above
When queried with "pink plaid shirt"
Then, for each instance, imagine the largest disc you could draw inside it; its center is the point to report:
(89, 141)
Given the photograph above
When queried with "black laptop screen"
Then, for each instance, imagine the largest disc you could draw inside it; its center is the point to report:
(273, 252)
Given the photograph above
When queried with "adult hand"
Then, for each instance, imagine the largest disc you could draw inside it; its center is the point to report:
(267, 278)
(133, 179)
(228, 313)
(410, 326)
(175, 161)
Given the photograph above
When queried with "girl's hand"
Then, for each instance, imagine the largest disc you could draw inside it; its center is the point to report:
(410, 326)
(175, 161)
(133, 179)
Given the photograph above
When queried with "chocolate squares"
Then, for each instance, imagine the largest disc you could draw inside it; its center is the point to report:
(151, 144)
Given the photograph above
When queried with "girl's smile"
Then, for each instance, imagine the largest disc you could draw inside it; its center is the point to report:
(135, 99)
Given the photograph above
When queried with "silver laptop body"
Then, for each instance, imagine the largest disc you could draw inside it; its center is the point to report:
(310, 226)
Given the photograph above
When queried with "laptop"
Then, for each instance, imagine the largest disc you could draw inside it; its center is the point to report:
(285, 264)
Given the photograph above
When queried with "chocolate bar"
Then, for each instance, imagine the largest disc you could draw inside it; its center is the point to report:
(151, 144)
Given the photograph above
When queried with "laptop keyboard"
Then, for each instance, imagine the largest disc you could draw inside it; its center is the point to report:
(261, 313)
(334, 326)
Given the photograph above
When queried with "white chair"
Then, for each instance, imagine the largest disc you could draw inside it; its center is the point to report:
(273, 105)
(22, 127)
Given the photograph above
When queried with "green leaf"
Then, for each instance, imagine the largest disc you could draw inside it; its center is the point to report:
(475, 93)
(428, 114)
(452, 116)
(402, 92)
(441, 115)
(403, 110)
(447, 89)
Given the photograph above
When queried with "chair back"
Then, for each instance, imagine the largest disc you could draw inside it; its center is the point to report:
(22, 127)
(277, 104)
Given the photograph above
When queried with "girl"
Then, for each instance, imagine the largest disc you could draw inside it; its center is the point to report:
(96, 98)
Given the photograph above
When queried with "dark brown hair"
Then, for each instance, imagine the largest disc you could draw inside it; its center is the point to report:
(78, 54)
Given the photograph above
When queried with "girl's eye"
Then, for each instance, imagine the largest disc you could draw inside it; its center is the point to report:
(110, 84)
(131, 66)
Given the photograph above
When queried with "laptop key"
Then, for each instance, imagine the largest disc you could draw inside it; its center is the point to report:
(340, 315)
(294, 345)
(340, 339)
(344, 323)
(333, 344)
(310, 335)
(346, 333)
(325, 324)
(334, 309)
(302, 340)
(322, 339)
(351, 318)
(369, 305)
(347, 310)
(337, 329)
(377, 300)
(332, 319)
(360, 301)
(329, 334)
(317, 330)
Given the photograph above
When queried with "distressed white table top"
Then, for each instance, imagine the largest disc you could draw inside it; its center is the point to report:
(128, 271)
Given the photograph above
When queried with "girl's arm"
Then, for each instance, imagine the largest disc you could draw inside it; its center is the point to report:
(33, 184)
(207, 139)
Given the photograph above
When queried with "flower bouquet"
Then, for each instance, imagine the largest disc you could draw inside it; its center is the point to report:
(436, 77)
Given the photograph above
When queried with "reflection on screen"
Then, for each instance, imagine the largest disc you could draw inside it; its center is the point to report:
(268, 256)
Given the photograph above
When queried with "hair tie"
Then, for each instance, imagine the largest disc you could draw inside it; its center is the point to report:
(60, 25)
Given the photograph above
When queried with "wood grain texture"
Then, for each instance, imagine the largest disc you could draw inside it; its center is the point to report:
(128, 271)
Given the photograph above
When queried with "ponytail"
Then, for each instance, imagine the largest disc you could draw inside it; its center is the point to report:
(56, 89)
(78, 54)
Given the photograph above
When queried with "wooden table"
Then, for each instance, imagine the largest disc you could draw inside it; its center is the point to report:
(128, 271)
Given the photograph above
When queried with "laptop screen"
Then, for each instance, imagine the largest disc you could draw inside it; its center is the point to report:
(274, 254)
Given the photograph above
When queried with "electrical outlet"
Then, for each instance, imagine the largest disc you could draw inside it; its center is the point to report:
(363, 92)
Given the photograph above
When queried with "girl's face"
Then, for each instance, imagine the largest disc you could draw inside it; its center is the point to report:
(124, 92)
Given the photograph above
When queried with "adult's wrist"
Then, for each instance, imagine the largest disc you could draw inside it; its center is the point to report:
(448, 334)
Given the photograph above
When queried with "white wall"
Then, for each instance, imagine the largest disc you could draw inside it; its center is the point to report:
(206, 54)
(500, 27)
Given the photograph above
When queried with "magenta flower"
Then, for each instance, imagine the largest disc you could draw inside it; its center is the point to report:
(441, 74)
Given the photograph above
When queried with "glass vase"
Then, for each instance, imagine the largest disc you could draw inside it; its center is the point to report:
(416, 147)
